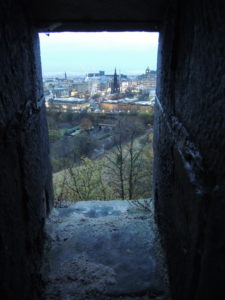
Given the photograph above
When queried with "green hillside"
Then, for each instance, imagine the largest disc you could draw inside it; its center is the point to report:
(124, 172)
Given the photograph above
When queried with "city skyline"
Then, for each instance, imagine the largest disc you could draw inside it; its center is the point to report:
(78, 53)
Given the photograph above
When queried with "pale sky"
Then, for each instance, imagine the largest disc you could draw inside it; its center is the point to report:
(84, 52)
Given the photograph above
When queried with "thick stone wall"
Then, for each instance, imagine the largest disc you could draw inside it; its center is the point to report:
(189, 144)
(189, 148)
(92, 15)
(25, 181)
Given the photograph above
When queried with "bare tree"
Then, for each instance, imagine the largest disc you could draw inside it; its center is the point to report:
(134, 161)
(86, 182)
(125, 161)
(115, 162)
(80, 180)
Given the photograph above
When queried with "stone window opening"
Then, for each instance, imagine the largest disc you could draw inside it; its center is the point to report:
(113, 236)
(71, 98)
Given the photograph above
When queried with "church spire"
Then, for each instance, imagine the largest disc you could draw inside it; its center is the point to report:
(147, 71)
(115, 88)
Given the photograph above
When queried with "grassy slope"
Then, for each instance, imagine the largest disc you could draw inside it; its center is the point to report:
(84, 170)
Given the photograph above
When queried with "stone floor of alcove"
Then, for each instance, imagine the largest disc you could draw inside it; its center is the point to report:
(103, 250)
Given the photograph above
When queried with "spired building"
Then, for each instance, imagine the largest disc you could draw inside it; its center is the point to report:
(148, 72)
(115, 87)
(149, 78)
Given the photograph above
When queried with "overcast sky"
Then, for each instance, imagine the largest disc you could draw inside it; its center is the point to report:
(80, 53)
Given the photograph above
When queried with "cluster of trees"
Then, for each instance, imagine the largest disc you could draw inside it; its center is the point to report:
(123, 173)
(127, 166)
(57, 119)
(67, 150)
(83, 182)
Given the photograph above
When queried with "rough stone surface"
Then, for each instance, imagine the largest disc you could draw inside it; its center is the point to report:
(103, 250)
(189, 136)
(189, 148)
(62, 15)
(25, 181)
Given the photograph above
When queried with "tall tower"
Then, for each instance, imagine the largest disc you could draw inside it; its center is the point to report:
(115, 88)
(65, 76)
(147, 72)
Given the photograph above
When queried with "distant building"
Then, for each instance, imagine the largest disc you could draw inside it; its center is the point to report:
(126, 106)
(80, 87)
(67, 104)
(148, 79)
(99, 74)
(147, 72)
(61, 92)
